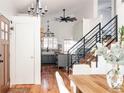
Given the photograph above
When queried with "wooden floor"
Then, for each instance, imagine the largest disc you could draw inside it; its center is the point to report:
(48, 80)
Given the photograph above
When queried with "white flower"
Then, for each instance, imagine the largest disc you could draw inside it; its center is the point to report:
(113, 55)
(102, 50)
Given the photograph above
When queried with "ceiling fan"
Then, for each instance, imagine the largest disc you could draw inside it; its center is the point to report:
(66, 18)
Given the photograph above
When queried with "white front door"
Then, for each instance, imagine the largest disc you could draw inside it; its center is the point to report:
(25, 53)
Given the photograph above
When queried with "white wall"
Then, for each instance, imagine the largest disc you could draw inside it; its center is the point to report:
(106, 16)
(89, 24)
(6, 8)
(95, 8)
(37, 53)
(113, 7)
(89, 9)
(12, 58)
(120, 12)
(62, 30)
(78, 30)
(105, 10)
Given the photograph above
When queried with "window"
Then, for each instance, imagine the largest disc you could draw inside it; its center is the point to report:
(45, 42)
(68, 43)
(50, 43)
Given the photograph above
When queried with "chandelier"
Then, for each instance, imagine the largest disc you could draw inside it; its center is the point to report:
(49, 40)
(48, 33)
(37, 9)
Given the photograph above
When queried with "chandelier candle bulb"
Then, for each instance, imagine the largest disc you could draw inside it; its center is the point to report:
(28, 9)
(32, 5)
(40, 5)
(46, 8)
(43, 11)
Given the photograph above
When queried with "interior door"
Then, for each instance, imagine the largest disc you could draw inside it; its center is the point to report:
(1, 65)
(4, 54)
(24, 53)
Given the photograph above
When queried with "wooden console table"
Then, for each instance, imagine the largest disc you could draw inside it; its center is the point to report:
(93, 84)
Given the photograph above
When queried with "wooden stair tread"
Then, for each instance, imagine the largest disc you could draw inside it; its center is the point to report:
(88, 58)
(109, 42)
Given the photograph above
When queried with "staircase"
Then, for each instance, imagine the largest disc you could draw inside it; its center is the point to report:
(83, 51)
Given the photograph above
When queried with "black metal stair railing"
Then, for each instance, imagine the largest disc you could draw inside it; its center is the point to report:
(74, 50)
(107, 34)
(89, 44)
(81, 41)
(110, 31)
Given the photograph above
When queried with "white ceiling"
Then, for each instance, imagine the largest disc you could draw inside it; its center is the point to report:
(53, 5)
(57, 5)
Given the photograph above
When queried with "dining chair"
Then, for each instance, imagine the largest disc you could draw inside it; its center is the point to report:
(79, 69)
(61, 86)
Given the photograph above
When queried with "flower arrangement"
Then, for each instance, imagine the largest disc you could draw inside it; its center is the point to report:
(114, 55)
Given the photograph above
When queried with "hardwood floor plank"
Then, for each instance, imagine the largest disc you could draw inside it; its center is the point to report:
(48, 80)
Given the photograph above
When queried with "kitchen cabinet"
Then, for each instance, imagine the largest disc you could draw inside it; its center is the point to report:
(49, 59)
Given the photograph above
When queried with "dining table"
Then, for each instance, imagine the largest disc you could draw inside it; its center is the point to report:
(93, 84)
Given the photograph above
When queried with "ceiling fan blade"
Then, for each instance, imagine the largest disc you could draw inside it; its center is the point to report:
(57, 19)
(74, 18)
(61, 17)
(68, 17)
(66, 20)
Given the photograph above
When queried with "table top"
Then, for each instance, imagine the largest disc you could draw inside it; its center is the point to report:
(94, 84)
